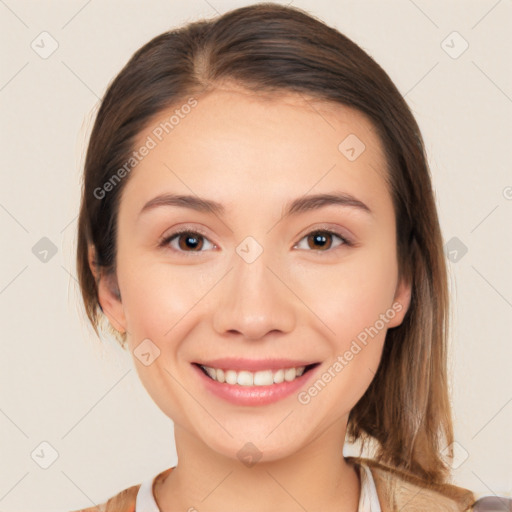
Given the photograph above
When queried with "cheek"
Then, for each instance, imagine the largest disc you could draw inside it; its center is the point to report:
(156, 296)
(158, 301)
(353, 295)
(355, 303)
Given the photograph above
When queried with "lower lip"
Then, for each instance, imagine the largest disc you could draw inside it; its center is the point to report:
(253, 395)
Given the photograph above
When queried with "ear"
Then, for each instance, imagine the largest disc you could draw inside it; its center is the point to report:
(109, 296)
(401, 302)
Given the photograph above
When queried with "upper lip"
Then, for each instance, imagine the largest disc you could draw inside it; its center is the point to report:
(229, 363)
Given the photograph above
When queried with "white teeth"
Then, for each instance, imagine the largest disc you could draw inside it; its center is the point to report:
(260, 378)
(279, 376)
(263, 378)
(230, 376)
(289, 374)
(211, 372)
(245, 378)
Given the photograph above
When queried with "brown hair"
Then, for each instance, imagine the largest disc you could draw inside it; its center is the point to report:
(272, 48)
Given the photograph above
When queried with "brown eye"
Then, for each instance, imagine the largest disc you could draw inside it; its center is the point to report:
(322, 240)
(187, 241)
(191, 241)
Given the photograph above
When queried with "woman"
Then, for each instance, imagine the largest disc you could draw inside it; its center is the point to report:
(258, 226)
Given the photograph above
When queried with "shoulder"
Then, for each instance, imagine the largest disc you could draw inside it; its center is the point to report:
(126, 499)
(121, 502)
(398, 490)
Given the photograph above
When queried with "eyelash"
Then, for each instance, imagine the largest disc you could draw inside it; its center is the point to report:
(166, 240)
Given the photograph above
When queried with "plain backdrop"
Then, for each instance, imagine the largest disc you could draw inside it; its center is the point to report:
(80, 396)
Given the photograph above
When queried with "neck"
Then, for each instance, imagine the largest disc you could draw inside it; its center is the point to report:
(316, 477)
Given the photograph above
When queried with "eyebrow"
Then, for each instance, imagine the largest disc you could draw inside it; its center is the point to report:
(299, 205)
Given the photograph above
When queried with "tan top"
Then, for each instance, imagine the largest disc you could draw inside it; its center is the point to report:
(400, 491)
(396, 490)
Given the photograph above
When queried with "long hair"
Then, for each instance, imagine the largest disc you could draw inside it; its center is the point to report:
(267, 48)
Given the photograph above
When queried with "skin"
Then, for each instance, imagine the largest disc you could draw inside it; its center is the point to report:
(254, 154)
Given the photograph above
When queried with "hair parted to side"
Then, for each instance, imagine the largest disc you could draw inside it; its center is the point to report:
(267, 48)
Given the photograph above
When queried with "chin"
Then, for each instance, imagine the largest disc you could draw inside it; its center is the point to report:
(253, 447)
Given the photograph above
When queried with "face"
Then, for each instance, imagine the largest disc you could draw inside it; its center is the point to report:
(257, 282)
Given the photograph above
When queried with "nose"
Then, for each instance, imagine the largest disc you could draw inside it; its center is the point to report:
(254, 300)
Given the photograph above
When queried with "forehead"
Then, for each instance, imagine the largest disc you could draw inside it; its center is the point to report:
(237, 144)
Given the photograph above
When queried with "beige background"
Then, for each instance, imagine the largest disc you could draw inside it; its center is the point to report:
(61, 385)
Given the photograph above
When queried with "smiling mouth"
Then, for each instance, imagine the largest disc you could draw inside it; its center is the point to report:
(258, 378)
